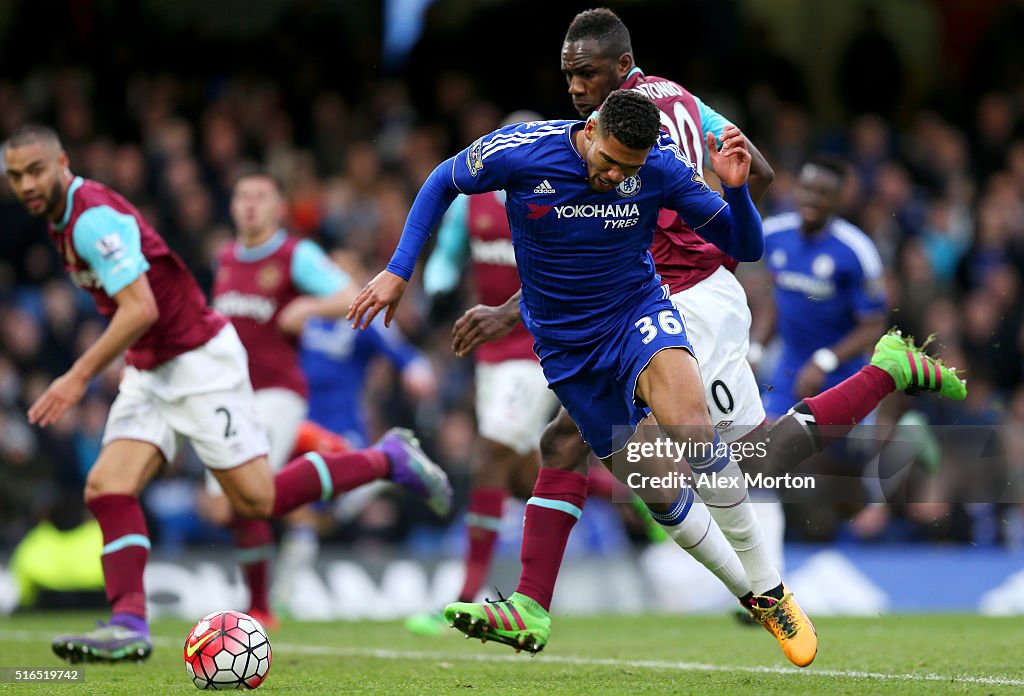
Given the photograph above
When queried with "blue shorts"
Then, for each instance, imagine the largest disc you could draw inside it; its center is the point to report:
(782, 393)
(597, 384)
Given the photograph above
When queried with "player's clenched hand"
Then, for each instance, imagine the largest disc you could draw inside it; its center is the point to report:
(732, 162)
(62, 394)
(480, 325)
(385, 290)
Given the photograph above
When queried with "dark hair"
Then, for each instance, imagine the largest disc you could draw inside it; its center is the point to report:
(603, 26)
(830, 163)
(631, 117)
(250, 170)
(33, 133)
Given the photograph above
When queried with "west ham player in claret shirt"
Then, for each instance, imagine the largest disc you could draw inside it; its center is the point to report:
(582, 202)
(269, 283)
(596, 59)
(186, 375)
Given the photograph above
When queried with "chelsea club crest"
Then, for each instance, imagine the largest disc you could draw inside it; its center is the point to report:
(630, 187)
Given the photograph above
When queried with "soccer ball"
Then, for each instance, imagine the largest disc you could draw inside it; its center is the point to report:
(227, 650)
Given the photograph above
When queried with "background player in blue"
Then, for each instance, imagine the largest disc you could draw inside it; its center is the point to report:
(335, 360)
(829, 299)
(601, 319)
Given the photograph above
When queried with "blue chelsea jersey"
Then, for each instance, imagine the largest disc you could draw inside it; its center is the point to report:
(582, 255)
(824, 283)
(335, 360)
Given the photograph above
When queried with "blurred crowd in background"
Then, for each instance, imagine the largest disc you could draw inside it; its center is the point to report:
(937, 182)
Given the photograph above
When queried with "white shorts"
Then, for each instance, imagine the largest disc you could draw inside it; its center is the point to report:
(280, 412)
(203, 395)
(513, 403)
(718, 326)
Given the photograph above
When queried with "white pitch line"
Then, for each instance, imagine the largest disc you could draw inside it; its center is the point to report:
(316, 650)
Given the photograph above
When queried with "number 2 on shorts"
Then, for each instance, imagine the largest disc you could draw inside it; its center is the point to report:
(228, 430)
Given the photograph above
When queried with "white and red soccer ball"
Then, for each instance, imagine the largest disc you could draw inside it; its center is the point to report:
(227, 650)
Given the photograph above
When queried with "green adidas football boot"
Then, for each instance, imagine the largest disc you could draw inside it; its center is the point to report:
(518, 622)
(915, 371)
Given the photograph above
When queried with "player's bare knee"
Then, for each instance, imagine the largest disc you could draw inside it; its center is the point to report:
(490, 475)
(494, 463)
(703, 433)
(562, 447)
(92, 491)
(257, 506)
(264, 507)
(251, 509)
(98, 483)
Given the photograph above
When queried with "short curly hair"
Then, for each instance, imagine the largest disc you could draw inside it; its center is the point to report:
(631, 117)
(603, 26)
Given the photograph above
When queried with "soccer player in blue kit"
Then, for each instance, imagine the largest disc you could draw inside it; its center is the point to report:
(608, 338)
(828, 292)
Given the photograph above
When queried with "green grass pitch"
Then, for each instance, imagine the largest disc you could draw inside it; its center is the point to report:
(907, 654)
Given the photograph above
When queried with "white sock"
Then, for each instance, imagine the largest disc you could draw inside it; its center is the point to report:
(769, 512)
(737, 518)
(299, 548)
(691, 527)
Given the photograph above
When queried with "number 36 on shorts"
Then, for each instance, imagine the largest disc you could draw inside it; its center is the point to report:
(668, 320)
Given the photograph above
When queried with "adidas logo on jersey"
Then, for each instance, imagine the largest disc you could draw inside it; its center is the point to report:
(544, 187)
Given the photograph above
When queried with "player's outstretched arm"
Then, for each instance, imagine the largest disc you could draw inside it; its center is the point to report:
(812, 376)
(484, 323)
(136, 312)
(296, 313)
(327, 291)
(762, 329)
(385, 290)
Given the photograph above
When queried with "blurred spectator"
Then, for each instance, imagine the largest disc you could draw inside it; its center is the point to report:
(871, 75)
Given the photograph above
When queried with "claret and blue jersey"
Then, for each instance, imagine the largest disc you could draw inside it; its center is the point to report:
(106, 246)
